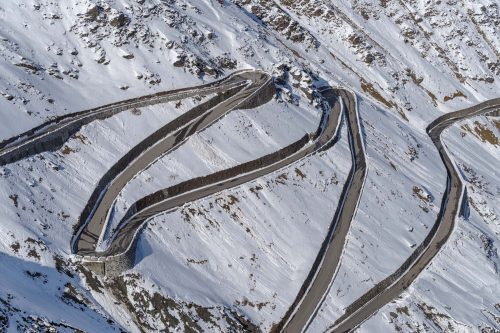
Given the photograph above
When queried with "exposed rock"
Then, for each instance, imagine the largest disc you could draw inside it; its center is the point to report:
(179, 61)
(128, 56)
(209, 70)
(226, 62)
(119, 20)
(8, 97)
(31, 66)
(93, 12)
(170, 44)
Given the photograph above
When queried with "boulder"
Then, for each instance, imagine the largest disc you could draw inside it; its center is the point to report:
(119, 20)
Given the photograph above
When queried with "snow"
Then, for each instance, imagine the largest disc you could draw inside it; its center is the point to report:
(239, 137)
(242, 244)
(419, 58)
(461, 283)
(390, 217)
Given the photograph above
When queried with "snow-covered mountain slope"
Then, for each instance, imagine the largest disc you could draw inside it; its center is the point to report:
(254, 133)
(459, 292)
(246, 253)
(236, 260)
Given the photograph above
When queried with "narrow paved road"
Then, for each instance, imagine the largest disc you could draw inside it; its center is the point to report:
(232, 92)
(87, 239)
(394, 285)
(126, 234)
(177, 196)
(52, 134)
(323, 271)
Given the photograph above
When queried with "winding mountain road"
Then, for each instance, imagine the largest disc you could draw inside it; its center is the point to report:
(247, 89)
(396, 283)
(171, 136)
(194, 189)
(51, 135)
(322, 274)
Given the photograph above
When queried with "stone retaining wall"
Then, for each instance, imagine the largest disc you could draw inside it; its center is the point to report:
(111, 266)
(114, 265)
(385, 283)
(215, 177)
(133, 153)
(54, 140)
(262, 96)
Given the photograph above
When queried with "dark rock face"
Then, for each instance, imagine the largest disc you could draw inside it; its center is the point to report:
(119, 21)
(93, 12)
(179, 62)
(226, 62)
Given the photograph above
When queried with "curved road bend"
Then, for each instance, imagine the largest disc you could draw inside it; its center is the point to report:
(52, 134)
(324, 269)
(394, 285)
(129, 228)
(88, 237)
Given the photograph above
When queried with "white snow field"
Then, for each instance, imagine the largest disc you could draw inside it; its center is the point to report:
(234, 261)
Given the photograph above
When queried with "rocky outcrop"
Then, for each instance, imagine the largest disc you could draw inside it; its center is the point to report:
(273, 15)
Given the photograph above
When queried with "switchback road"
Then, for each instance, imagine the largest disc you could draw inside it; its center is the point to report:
(248, 89)
(323, 271)
(52, 134)
(177, 195)
(396, 283)
(95, 217)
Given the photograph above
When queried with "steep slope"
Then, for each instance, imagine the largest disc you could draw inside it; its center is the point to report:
(200, 267)
(458, 292)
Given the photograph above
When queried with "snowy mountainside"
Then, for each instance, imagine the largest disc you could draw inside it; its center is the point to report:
(235, 260)
(459, 293)
(214, 149)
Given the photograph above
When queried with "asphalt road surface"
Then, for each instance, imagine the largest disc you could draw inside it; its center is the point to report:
(395, 284)
(323, 272)
(52, 134)
(87, 239)
(128, 229)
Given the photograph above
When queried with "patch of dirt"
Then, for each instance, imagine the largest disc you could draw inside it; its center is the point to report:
(497, 124)
(136, 112)
(485, 134)
(92, 281)
(368, 88)
(418, 192)
(67, 150)
(255, 190)
(456, 94)
(14, 198)
(62, 266)
(71, 295)
(15, 247)
(198, 262)
(299, 173)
